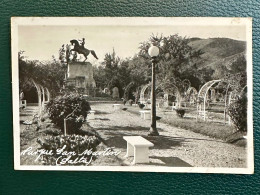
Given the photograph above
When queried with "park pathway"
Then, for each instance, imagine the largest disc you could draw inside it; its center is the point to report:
(27, 115)
(28, 135)
(174, 147)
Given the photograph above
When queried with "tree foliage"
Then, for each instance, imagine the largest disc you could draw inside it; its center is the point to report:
(237, 110)
(175, 64)
(49, 74)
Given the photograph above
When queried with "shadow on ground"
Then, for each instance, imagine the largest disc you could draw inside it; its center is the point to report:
(160, 142)
(170, 162)
(126, 128)
(101, 112)
(103, 119)
(189, 138)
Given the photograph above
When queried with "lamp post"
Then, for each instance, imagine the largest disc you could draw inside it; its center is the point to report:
(153, 52)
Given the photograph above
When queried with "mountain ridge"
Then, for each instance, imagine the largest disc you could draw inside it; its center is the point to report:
(220, 55)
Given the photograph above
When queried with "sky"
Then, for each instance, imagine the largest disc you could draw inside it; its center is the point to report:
(41, 42)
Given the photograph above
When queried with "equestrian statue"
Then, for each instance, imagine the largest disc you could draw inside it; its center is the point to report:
(80, 49)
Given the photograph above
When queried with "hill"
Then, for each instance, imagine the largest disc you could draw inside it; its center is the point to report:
(220, 55)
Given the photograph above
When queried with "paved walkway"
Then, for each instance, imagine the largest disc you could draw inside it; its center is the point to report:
(174, 146)
(27, 114)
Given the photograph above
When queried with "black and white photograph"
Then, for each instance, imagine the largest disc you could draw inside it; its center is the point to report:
(140, 94)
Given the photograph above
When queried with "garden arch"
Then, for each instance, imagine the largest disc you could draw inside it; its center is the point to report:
(177, 94)
(142, 99)
(144, 88)
(202, 96)
(127, 90)
(192, 94)
(48, 95)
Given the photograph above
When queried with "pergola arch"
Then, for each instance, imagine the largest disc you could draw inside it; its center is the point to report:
(39, 92)
(202, 95)
(43, 96)
(192, 94)
(127, 89)
(145, 87)
(48, 95)
(142, 99)
(176, 93)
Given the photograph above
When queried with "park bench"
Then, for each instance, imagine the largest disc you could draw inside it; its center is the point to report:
(91, 115)
(148, 106)
(174, 106)
(23, 104)
(145, 114)
(158, 105)
(138, 147)
(117, 106)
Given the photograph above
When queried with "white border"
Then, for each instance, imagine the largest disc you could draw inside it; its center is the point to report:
(131, 21)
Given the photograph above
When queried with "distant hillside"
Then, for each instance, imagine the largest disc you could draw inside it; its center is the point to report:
(221, 55)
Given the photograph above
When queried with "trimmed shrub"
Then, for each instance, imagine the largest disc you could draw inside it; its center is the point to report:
(73, 107)
(71, 143)
(238, 113)
(180, 112)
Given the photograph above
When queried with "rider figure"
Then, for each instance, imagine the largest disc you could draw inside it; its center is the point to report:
(83, 43)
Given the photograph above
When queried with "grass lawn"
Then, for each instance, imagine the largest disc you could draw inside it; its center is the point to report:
(210, 128)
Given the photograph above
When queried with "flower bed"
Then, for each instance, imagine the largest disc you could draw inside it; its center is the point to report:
(66, 150)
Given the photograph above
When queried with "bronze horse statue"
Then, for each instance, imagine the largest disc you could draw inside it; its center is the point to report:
(82, 50)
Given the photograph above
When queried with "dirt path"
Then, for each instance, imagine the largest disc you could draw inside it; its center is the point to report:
(174, 146)
(28, 135)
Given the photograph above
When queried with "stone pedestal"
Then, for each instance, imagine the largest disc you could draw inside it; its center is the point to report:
(80, 76)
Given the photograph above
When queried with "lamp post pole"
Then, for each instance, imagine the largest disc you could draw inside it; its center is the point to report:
(153, 129)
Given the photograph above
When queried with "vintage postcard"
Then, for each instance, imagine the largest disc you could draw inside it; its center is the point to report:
(157, 94)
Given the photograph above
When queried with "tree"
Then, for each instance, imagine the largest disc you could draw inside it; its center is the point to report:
(46, 77)
(176, 62)
(49, 74)
(237, 110)
(112, 73)
(99, 75)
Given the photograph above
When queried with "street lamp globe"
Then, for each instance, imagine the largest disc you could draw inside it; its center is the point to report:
(153, 51)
